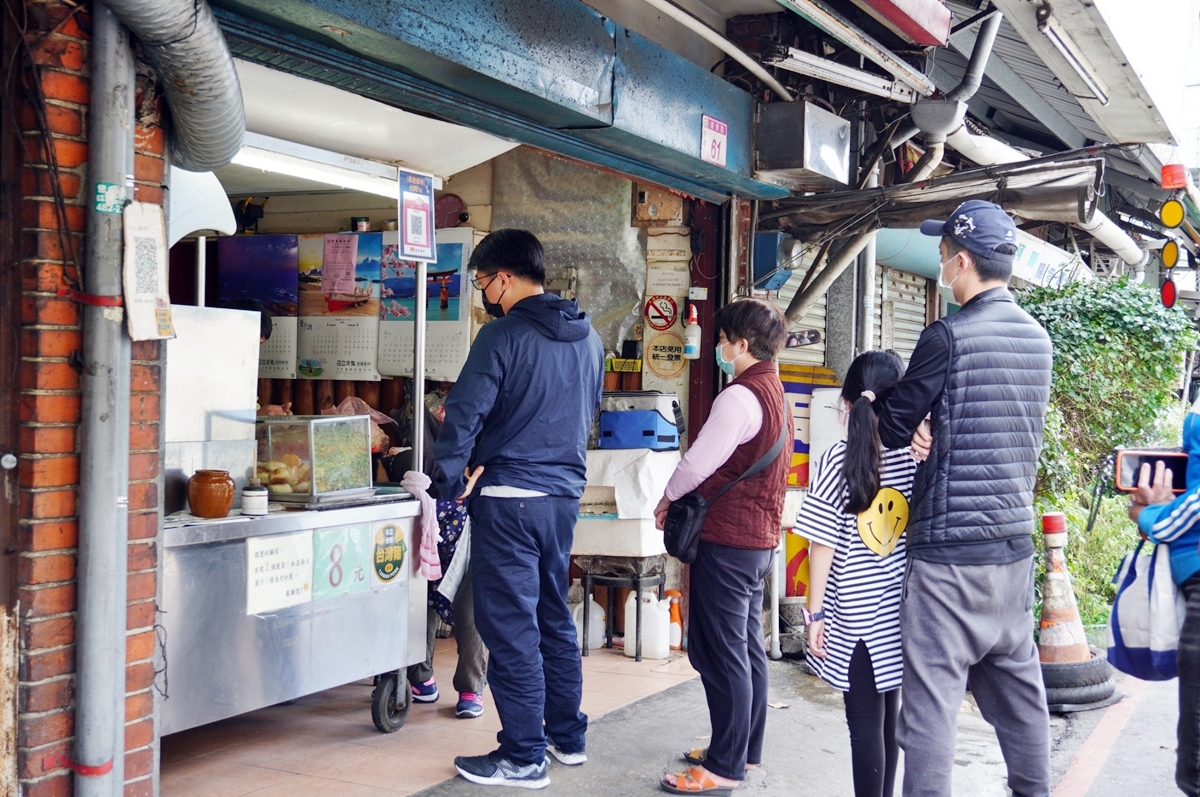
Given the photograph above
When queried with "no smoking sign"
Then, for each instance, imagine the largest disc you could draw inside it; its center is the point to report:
(661, 312)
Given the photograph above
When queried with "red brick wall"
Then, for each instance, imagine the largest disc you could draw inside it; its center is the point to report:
(48, 382)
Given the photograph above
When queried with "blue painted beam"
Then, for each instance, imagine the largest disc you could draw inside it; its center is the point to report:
(549, 60)
(660, 99)
(549, 73)
(296, 53)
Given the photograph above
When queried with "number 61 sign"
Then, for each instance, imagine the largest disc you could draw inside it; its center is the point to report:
(714, 138)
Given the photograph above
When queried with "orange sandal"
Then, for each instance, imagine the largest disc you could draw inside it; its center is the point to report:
(697, 756)
(695, 781)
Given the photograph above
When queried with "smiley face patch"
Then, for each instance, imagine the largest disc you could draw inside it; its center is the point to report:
(882, 523)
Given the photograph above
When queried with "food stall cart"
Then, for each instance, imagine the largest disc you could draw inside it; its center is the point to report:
(318, 593)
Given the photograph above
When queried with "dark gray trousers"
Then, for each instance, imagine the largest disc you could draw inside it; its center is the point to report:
(1187, 765)
(976, 621)
(471, 673)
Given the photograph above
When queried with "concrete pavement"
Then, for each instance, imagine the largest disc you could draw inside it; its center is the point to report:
(1126, 752)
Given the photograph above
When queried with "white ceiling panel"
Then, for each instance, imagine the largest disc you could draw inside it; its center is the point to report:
(307, 112)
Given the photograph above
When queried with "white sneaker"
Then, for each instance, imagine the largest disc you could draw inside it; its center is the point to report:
(564, 758)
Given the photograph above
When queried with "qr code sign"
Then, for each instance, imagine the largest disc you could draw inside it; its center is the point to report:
(145, 263)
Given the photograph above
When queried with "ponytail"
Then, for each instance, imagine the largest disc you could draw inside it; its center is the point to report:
(864, 450)
(870, 378)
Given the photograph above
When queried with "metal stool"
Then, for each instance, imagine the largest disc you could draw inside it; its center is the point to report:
(637, 583)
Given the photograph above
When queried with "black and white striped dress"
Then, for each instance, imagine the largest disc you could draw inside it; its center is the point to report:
(862, 598)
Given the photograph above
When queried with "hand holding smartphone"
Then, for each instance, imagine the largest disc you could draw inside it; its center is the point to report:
(1129, 466)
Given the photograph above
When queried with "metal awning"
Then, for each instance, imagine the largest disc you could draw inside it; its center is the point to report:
(1044, 189)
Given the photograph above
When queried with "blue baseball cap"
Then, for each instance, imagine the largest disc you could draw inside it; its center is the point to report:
(979, 227)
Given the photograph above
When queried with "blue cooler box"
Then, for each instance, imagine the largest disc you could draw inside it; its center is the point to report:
(638, 429)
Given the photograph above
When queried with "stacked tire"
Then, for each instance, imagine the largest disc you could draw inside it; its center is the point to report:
(1076, 684)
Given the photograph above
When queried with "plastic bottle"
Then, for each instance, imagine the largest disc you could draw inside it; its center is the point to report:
(691, 335)
(674, 597)
(595, 621)
(254, 498)
(656, 626)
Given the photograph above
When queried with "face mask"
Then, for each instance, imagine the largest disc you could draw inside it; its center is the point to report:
(722, 363)
(494, 309)
(942, 283)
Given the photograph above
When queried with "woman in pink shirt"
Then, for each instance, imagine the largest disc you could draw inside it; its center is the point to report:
(749, 420)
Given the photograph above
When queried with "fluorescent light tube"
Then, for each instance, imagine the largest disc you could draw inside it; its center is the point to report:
(811, 65)
(1071, 53)
(321, 166)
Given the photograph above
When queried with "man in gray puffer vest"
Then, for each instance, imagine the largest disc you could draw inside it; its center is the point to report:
(982, 376)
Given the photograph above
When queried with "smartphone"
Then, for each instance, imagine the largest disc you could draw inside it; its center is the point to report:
(1130, 461)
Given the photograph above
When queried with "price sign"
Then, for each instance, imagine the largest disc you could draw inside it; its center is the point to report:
(714, 136)
(341, 560)
(661, 312)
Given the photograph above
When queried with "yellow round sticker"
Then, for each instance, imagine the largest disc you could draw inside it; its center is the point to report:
(1171, 213)
(882, 523)
(1170, 254)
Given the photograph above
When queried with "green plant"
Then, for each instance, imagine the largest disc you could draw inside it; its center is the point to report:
(1117, 360)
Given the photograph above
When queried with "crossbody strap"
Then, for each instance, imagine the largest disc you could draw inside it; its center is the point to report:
(763, 461)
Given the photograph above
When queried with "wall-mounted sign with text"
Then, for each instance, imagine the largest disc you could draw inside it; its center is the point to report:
(416, 217)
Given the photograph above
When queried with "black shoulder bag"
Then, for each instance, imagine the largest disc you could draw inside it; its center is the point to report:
(685, 517)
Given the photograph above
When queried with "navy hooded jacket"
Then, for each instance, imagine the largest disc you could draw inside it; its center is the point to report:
(524, 403)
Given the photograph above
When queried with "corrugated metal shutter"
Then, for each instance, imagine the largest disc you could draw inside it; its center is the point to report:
(815, 319)
(899, 310)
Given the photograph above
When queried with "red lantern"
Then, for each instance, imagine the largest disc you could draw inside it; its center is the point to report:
(1168, 293)
(1174, 175)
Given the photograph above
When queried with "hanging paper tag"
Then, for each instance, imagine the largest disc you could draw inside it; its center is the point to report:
(147, 301)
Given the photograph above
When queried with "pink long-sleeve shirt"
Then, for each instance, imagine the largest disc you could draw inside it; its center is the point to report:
(736, 418)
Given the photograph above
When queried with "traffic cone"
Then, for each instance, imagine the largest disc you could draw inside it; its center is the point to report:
(1061, 638)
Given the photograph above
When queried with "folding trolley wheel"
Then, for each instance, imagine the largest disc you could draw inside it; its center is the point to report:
(390, 701)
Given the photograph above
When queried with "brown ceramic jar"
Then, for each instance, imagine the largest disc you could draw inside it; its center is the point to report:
(210, 493)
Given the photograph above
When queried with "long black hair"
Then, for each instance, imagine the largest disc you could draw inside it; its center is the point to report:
(871, 377)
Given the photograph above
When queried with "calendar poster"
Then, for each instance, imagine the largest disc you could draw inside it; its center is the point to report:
(332, 347)
(448, 303)
(338, 331)
(263, 269)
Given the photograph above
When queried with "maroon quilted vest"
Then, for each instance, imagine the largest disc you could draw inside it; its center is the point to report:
(750, 513)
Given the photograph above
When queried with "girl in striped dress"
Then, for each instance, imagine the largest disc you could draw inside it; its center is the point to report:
(854, 517)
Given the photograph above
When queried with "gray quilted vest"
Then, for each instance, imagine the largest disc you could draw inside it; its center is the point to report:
(977, 485)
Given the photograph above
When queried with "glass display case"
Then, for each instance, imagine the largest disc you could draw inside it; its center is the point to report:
(313, 459)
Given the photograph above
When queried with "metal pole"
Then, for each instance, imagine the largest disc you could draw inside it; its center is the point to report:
(867, 266)
(418, 385)
(104, 427)
(733, 272)
(201, 269)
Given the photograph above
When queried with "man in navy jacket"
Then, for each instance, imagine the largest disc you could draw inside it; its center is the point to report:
(522, 410)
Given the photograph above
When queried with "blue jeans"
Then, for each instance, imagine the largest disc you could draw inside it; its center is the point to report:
(520, 556)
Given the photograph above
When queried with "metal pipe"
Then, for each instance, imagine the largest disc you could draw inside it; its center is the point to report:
(802, 302)
(733, 272)
(201, 269)
(188, 50)
(972, 79)
(104, 426)
(988, 151)
(867, 266)
(721, 43)
(980, 53)
(928, 163)
(420, 299)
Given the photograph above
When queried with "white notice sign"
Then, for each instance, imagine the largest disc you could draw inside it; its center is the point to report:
(714, 135)
(278, 571)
